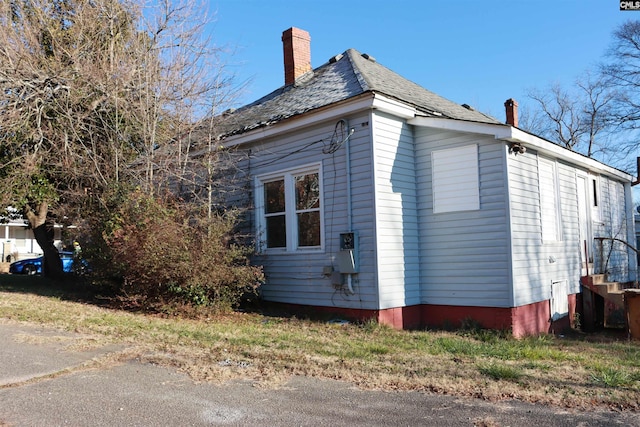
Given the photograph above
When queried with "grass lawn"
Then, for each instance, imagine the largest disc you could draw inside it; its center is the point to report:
(577, 370)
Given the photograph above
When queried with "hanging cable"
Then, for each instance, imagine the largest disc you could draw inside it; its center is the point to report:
(284, 156)
(338, 138)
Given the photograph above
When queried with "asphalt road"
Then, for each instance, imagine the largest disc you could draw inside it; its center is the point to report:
(46, 380)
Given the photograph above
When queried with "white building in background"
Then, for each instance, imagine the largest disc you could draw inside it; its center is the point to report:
(18, 241)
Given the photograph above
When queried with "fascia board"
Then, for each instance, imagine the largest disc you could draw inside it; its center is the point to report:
(549, 148)
(303, 120)
(509, 133)
(393, 107)
(497, 131)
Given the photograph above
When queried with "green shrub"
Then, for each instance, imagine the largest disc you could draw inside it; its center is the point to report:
(163, 252)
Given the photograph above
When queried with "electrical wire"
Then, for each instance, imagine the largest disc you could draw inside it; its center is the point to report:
(338, 138)
(284, 156)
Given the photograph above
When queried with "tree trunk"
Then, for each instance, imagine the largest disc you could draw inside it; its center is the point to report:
(52, 264)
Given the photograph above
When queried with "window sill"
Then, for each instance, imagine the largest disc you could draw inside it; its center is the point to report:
(282, 251)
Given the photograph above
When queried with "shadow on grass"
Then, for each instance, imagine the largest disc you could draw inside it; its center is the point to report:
(85, 290)
(69, 288)
(82, 290)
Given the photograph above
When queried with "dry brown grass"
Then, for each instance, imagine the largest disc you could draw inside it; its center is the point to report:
(569, 371)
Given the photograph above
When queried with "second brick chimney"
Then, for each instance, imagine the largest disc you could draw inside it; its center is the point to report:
(296, 44)
(511, 107)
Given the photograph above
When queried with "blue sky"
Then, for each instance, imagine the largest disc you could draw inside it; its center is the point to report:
(470, 51)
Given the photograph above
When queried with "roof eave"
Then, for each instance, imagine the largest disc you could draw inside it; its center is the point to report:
(361, 102)
(508, 133)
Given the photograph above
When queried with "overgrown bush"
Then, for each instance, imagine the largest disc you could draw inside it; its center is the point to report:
(167, 254)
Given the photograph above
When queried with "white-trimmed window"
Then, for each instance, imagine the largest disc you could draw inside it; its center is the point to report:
(549, 201)
(289, 209)
(455, 179)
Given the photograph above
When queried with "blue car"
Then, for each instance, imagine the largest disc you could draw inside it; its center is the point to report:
(34, 265)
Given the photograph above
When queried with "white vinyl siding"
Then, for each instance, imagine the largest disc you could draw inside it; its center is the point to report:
(616, 210)
(549, 212)
(455, 179)
(464, 255)
(479, 245)
(297, 277)
(615, 223)
(396, 215)
(536, 185)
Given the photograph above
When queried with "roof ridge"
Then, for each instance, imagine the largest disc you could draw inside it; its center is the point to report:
(384, 80)
(362, 78)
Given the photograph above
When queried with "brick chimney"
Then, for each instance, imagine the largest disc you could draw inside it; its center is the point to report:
(297, 54)
(511, 107)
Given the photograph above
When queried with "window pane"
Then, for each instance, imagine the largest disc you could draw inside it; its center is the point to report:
(307, 192)
(274, 196)
(309, 229)
(276, 232)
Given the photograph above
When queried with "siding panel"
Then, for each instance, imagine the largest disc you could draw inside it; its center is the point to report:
(397, 222)
(464, 256)
(538, 263)
(615, 223)
(297, 277)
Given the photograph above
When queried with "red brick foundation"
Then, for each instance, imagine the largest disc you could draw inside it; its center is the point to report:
(402, 317)
(525, 320)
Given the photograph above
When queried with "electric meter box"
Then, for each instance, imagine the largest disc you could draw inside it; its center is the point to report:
(348, 256)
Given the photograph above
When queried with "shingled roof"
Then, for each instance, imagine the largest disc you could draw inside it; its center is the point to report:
(343, 77)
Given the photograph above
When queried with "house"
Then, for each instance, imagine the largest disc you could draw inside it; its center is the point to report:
(18, 241)
(373, 197)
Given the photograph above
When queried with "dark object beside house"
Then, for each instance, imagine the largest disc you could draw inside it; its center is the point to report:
(34, 265)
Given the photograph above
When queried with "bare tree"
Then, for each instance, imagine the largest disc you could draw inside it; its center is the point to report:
(579, 118)
(193, 86)
(560, 120)
(599, 115)
(622, 71)
(596, 114)
(89, 92)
